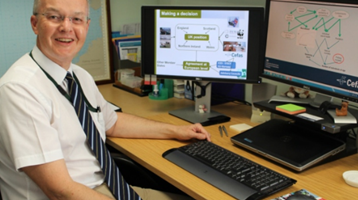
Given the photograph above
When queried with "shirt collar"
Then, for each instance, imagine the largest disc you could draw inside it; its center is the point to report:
(53, 69)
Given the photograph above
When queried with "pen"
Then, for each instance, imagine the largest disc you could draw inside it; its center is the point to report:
(225, 131)
(221, 132)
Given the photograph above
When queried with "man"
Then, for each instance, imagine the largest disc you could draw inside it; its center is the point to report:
(43, 148)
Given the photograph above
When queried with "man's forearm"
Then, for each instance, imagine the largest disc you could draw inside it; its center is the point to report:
(55, 182)
(130, 126)
(76, 191)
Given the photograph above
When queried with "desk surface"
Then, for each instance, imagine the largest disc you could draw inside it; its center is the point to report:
(324, 180)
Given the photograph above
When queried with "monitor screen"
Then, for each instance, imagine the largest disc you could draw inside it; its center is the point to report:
(203, 44)
(220, 44)
(312, 44)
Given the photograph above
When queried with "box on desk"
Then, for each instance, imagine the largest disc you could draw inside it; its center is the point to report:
(127, 77)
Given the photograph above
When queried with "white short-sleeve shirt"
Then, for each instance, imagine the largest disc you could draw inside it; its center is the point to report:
(38, 125)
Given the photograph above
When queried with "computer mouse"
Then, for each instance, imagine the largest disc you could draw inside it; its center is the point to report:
(300, 197)
(326, 105)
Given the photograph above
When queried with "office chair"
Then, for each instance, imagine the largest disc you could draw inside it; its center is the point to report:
(137, 175)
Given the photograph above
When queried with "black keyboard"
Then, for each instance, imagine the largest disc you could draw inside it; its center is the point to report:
(231, 173)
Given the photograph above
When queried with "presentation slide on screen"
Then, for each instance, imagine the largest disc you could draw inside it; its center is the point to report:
(322, 36)
(202, 43)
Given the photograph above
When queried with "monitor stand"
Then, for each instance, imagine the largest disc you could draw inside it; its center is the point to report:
(314, 102)
(194, 114)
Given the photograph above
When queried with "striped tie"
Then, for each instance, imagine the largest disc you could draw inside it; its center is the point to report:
(115, 181)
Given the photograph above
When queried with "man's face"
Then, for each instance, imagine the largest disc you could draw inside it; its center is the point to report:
(60, 40)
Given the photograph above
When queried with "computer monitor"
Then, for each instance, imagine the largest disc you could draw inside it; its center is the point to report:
(203, 44)
(312, 44)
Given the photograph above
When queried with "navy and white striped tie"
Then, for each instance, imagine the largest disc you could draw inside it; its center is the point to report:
(115, 181)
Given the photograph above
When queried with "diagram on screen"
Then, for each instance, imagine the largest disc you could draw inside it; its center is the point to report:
(319, 32)
(213, 43)
(198, 39)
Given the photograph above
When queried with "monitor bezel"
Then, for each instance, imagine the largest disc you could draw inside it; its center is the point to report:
(301, 85)
(256, 45)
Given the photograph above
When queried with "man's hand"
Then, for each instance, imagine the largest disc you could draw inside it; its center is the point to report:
(194, 131)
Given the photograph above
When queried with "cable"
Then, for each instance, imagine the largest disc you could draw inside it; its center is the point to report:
(202, 88)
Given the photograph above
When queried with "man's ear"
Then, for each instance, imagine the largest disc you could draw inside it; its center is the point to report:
(88, 24)
(34, 22)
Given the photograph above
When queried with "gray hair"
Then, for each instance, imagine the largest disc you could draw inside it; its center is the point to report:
(37, 4)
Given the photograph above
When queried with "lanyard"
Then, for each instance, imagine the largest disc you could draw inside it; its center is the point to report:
(63, 92)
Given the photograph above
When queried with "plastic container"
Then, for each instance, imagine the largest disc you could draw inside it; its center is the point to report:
(124, 73)
(132, 81)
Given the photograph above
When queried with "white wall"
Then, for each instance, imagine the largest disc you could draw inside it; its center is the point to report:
(128, 11)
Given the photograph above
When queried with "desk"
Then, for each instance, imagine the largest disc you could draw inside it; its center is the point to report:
(325, 180)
